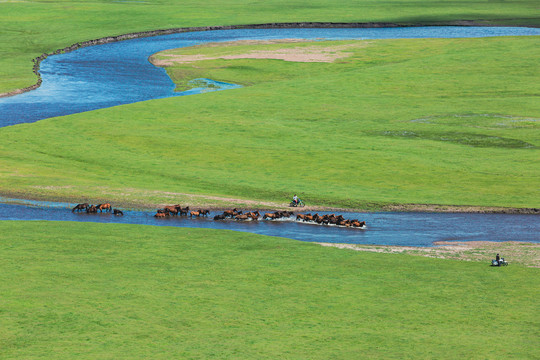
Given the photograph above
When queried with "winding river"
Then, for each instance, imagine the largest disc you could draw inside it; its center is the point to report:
(119, 73)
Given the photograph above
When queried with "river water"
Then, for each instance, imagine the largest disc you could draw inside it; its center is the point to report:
(383, 228)
(119, 73)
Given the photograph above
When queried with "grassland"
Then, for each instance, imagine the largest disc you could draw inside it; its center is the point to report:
(438, 121)
(30, 28)
(90, 291)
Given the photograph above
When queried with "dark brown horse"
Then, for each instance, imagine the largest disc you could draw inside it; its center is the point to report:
(118, 212)
(80, 207)
(204, 212)
(182, 211)
(92, 209)
(173, 210)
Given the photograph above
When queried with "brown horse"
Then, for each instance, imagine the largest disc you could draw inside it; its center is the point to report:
(271, 216)
(92, 209)
(171, 209)
(195, 213)
(161, 215)
(182, 211)
(80, 207)
(204, 212)
(106, 207)
(232, 213)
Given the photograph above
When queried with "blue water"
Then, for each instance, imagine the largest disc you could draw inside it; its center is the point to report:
(119, 73)
(383, 228)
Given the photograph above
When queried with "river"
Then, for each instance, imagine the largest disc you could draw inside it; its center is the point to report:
(119, 73)
(383, 228)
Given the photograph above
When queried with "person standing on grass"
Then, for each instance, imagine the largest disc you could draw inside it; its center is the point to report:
(295, 199)
(498, 258)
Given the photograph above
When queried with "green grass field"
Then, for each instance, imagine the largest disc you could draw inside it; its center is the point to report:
(425, 121)
(87, 291)
(30, 28)
(448, 121)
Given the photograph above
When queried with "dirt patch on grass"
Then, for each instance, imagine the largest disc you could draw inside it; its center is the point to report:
(527, 254)
(297, 54)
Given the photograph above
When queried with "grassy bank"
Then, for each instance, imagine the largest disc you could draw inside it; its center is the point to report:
(439, 121)
(119, 291)
(23, 36)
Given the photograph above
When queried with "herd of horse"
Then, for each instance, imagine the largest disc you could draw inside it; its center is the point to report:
(233, 214)
(94, 209)
(239, 215)
(178, 210)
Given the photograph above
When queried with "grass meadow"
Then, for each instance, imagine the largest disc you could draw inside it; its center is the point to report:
(30, 28)
(87, 291)
(435, 121)
(400, 121)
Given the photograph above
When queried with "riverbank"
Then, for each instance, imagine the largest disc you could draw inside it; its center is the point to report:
(522, 253)
(205, 202)
(329, 25)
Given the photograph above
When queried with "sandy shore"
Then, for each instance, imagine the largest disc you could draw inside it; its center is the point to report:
(522, 253)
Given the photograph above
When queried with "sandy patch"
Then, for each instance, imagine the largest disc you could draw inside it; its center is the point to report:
(514, 252)
(297, 54)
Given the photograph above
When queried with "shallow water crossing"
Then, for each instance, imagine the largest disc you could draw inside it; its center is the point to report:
(383, 228)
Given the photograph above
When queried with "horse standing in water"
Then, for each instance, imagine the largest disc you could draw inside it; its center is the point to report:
(107, 207)
(80, 207)
(91, 209)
